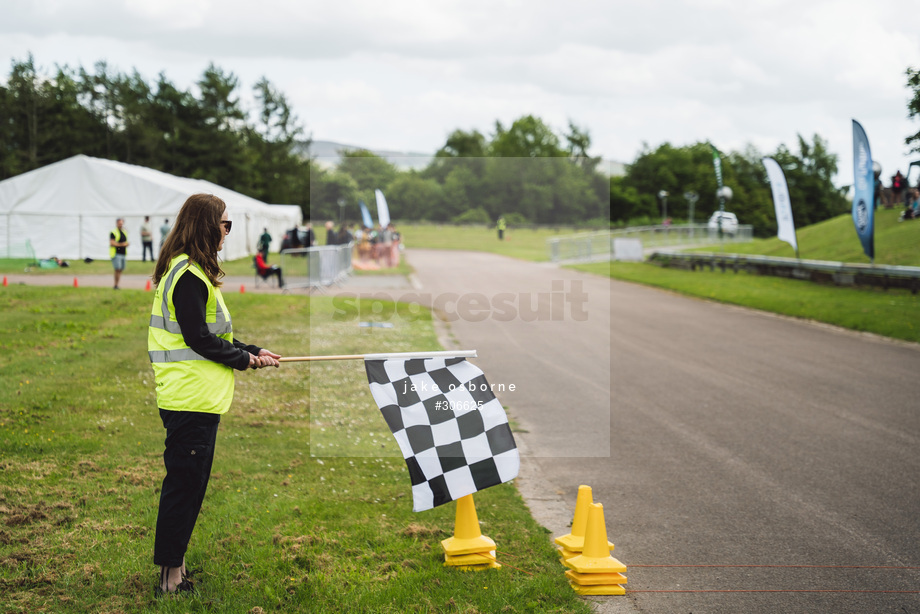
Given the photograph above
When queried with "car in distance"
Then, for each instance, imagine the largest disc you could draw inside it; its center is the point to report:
(729, 222)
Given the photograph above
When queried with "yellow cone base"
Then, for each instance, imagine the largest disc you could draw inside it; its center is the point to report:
(601, 589)
(476, 545)
(571, 542)
(492, 565)
(595, 579)
(584, 564)
(480, 558)
(565, 554)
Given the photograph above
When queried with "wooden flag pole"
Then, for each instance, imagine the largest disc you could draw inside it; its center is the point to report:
(395, 355)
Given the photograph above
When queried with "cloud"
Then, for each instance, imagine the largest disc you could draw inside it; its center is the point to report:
(404, 74)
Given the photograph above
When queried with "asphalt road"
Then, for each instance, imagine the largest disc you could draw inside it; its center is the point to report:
(786, 452)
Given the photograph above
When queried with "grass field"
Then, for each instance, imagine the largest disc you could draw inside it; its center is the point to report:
(523, 243)
(291, 523)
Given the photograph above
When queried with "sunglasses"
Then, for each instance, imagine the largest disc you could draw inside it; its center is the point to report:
(227, 224)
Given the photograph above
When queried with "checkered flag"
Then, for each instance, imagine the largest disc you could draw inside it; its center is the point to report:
(452, 431)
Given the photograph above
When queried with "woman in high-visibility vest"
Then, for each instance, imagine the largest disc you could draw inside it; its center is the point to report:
(193, 352)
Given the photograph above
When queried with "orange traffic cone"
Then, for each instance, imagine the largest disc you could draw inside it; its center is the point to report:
(5, 282)
(75, 284)
(147, 287)
(242, 289)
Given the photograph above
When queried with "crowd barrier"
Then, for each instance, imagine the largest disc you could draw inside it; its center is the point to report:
(594, 246)
(316, 267)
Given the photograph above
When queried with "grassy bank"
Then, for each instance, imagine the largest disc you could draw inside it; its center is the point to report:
(835, 239)
(294, 520)
(893, 313)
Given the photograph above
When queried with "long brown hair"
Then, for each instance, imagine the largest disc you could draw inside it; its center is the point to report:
(197, 233)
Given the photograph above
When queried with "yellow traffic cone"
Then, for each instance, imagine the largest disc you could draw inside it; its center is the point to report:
(467, 539)
(594, 571)
(575, 541)
(595, 557)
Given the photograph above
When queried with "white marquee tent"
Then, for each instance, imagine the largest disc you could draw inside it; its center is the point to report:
(67, 209)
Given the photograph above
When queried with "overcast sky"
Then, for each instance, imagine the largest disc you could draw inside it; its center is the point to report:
(403, 74)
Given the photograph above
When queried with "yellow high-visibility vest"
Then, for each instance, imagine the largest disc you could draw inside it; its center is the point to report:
(112, 248)
(187, 381)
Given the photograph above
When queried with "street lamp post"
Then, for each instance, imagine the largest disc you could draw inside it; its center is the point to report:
(691, 198)
(725, 194)
(341, 212)
(663, 196)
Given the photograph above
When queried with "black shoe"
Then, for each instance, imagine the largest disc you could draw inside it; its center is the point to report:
(190, 573)
(185, 586)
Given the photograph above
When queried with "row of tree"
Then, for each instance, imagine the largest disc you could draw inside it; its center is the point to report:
(678, 170)
(203, 133)
(472, 180)
(524, 172)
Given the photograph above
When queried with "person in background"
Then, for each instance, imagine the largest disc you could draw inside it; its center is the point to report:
(146, 239)
(344, 236)
(331, 237)
(266, 271)
(500, 224)
(118, 249)
(898, 184)
(191, 346)
(164, 231)
(396, 239)
(264, 242)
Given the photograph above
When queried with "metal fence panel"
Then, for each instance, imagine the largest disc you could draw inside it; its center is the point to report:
(316, 267)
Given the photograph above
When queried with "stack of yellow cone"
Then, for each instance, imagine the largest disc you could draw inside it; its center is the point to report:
(594, 571)
(571, 544)
(468, 548)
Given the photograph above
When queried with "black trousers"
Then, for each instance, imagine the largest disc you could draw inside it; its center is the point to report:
(190, 438)
(148, 245)
(273, 270)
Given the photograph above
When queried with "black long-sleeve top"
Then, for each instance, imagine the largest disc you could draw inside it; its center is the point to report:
(190, 299)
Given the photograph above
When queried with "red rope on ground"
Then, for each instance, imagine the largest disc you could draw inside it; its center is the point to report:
(788, 566)
(766, 590)
(515, 568)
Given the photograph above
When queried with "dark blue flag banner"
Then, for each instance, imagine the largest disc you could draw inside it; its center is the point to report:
(863, 190)
(365, 215)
